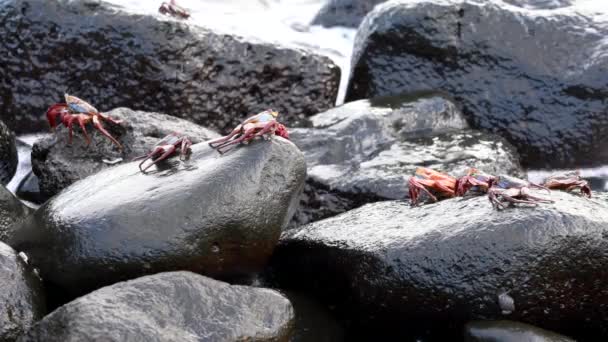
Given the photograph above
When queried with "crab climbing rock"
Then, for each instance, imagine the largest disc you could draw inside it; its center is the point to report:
(263, 125)
(173, 9)
(513, 190)
(433, 183)
(81, 112)
(165, 148)
(568, 181)
(474, 180)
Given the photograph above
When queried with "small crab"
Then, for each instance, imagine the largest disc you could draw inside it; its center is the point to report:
(165, 148)
(263, 125)
(77, 110)
(474, 180)
(429, 181)
(513, 190)
(568, 181)
(173, 9)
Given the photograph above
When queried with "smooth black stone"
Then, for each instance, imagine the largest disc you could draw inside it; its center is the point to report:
(425, 271)
(8, 154)
(114, 58)
(21, 295)
(174, 306)
(313, 321)
(58, 163)
(537, 78)
(347, 13)
(220, 216)
(12, 211)
(365, 151)
(29, 189)
(508, 331)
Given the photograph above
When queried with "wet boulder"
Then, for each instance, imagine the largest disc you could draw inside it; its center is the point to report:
(347, 13)
(12, 211)
(8, 154)
(58, 163)
(313, 321)
(218, 215)
(508, 331)
(173, 306)
(365, 151)
(29, 189)
(21, 298)
(414, 272)
(117, 58)
(536, 78)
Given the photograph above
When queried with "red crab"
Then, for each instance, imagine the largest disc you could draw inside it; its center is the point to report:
(165, 148)
(513, 190)
(428, 181)
(81, 112)
(263, 125)
(568, 181)
(475, 179)
(173, 9)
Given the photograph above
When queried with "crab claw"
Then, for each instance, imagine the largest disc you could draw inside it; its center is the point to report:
(55, 114)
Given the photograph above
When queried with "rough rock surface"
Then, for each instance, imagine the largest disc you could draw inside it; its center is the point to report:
(401, 270)
(536, 78)
(220, 216)
(508, 331)
(21, 297)
(8, 154)
(57, 163)
(347, 13)
(174, 306)
(364, 151)
(11, 212)
(152, 63)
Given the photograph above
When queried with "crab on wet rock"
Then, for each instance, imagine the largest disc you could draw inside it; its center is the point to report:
(76, 110)
(568, 181)
(476, 180)
(505, 190)
(433, 183)
(165, 148)
(173, 9)
(262, 125)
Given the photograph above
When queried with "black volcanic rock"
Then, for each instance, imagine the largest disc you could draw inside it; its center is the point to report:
(220, 216)
(173, 306)
(57, 163)
(508, 331)
(537, 78)
(404, 272)
(347, 13)
(21, 296)
(12, 211)
(365, 151)
(8, 154)
(113, 58)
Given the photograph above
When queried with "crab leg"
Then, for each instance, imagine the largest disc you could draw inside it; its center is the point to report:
(162, 157)
(68, 121)
(219, 142)
(110, 119)
(183, 153)
(247, 135)
(103, 131)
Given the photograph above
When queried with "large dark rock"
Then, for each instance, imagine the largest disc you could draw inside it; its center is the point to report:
(365, 151)
(8, 154)
(114, 58)
(508, 331)
(21, 295)
(175, 306)
(220, 216)
(12, 211)
(313, 321)
(536, 78)
(347, 13)
(398, 271)
(29, 189)
(57, 164)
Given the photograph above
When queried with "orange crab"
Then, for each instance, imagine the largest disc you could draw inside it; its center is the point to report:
(430, 181)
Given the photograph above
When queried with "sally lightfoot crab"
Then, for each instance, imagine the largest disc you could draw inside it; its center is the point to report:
(173, 9)
(81, 112)
(506, 190)
(433, 183)
(568, 181)
(165, 148)
(263, 125)
(474, 180)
